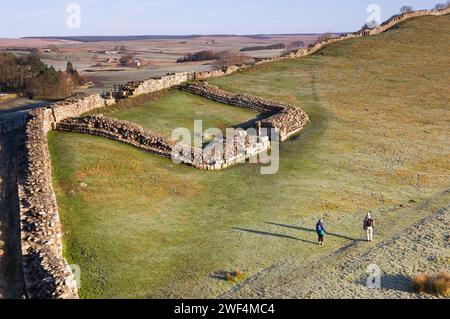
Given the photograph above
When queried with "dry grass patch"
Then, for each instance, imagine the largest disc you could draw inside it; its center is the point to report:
(233, 277)
(236, 276)
(437, 285)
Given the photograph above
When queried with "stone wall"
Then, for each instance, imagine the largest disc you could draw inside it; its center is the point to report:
(47, 274)
(75, 107)
(221, 154)
(241, 147)
(121, 131)
(286, 118)
(135, 88)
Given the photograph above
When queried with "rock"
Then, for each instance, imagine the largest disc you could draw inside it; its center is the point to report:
(83, 185)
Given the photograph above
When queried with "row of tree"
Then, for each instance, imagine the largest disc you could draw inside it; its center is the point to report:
(439, 6)
(221, 58)
(405, 9)
(29, 76)
(276, 46)
(204, 55)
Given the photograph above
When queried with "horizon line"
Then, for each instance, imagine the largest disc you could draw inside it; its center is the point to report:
(174, 35)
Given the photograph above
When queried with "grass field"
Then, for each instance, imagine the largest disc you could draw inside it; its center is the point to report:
(379, 138)
(180, 110)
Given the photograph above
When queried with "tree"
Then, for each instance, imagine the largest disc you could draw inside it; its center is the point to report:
(297, 44)
(406, 9)
(229, 58)
(324, 37)
(29, 76)
(276, 46)
(122, 49)
(70, 69)
(440, 6)
(126, 59)
(204, 55)
(73, 74)
(53, 48)
(370, 25)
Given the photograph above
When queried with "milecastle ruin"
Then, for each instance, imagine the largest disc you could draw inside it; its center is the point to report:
(46, 272)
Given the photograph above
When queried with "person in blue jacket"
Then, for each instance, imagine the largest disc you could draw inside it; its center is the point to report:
(320, 229)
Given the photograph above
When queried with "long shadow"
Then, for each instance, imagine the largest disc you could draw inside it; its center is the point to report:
(11, 276)
(258, 232)
(313, 231)
(395, 282)
(252, 122)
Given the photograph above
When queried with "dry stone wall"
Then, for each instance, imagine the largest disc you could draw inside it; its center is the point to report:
(76, 106)
(47, 274)
(286, 118)
(135, 88)
(121, 131)
(241, 147)
(223, 153)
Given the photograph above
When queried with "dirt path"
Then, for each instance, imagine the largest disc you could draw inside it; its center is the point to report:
(11, 277)
(416, 240)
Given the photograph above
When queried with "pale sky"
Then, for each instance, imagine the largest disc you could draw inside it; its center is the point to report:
(184, 17)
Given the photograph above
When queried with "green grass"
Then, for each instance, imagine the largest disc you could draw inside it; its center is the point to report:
(180, 110)
(379, 137)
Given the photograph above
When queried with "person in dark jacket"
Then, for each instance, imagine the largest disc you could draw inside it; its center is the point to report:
(320, 229)
(369, 225)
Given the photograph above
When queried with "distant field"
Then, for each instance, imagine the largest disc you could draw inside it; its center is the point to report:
(33, 42)
(379, 140)
(158, 54)
(180, 110)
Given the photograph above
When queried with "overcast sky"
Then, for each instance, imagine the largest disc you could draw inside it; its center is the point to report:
(21, 18)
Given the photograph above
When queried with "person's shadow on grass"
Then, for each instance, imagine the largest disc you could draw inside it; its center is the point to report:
(313, 231)
(258, 232)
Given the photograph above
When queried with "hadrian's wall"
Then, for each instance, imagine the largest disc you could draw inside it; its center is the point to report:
(316, 47)
(47, 274)
(286, 118)
(135, 88)
(390, 23)
(76, 106)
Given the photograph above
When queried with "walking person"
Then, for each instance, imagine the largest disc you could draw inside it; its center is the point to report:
(369, 225)
(320, 229)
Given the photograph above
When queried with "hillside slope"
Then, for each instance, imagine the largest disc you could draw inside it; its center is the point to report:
(391, 91)
(378, 141)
